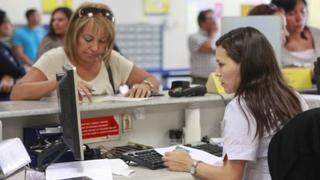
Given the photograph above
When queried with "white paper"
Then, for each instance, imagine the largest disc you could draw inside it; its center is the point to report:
(116, 98)
(218, 141)
(94, 169)
(195, 154)
(13, 156)
(119, 167)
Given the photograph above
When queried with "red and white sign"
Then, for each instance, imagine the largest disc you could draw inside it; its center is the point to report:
(99, 127)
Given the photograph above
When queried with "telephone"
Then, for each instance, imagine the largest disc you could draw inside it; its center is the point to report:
(183, 89)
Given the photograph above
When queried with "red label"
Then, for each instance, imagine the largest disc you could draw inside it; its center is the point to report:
(99, 127)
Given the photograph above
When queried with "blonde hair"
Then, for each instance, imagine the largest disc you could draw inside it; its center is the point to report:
(77, 24)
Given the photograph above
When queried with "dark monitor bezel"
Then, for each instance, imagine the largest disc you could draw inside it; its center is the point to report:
(69, 116)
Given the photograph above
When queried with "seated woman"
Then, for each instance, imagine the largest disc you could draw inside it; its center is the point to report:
(271, 9)
(57, 29)
(88, 46)
(10, 69)
(303, 44)
(263, 103)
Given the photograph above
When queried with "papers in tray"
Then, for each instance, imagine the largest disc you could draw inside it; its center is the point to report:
(195, 154)
(13, 156)
(94, 169)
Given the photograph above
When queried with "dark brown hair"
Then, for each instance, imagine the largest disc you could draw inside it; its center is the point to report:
(264, 9)
(66, 11)
(29, 12)
(266, 94)
(203, 15)
(289, 5)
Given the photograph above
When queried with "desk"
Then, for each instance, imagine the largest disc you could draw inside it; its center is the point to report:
(160, 115)
(160, 174)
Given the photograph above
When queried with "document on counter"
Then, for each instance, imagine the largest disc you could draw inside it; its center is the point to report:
(116, 98)
(195, 154)
(94, 169)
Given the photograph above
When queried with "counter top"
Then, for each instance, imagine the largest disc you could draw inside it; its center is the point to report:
(11, 109)
(27, 108)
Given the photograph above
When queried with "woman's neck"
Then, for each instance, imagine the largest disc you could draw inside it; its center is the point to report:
(297, 42)
(87, 65)
(88, 71)
(295, 35)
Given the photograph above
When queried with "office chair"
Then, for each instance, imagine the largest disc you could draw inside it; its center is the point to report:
(294, 151)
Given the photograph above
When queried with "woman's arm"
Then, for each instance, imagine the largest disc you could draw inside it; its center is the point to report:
(181, 161)
(33, 86)
(231, 170)
(141, 83)
(7, 67)
(18, 50)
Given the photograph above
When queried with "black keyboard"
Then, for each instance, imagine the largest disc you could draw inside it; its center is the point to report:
(117, 152)
(209, 148)
(148, 158)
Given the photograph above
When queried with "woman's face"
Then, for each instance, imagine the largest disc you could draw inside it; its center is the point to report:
(91, 44)
(296, 18)
(6, 28)
(60, 23)
(228, 71)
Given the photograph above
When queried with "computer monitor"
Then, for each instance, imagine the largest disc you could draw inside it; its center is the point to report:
(69, 111)
(270, 26)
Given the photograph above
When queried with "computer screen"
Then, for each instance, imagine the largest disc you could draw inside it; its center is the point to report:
(69, 111)
(270, 26)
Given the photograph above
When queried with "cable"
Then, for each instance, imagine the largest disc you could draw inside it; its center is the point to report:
(222, 98)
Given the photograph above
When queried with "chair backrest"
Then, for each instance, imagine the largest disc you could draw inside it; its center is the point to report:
(0, 131)
(294, 152)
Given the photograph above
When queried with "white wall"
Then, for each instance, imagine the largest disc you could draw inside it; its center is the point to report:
(129, 11)
(179, 23)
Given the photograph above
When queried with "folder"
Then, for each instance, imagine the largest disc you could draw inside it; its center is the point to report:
(298, 78)
(214, 85)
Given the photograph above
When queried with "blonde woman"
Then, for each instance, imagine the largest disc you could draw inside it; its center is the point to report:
(88, 46)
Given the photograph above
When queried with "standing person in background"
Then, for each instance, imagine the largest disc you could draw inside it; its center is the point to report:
(303, 44)
(202, 47)
(10, 69)
(88, 45)
(26, 40)
(57, 29)
(271, 9)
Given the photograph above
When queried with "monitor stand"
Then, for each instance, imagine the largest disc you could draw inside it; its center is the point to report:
(50, 155)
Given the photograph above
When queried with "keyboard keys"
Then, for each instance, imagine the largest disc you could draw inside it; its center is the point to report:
(147, 158)
(209, 148)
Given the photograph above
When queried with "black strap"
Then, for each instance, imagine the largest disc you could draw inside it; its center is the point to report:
(111, 78)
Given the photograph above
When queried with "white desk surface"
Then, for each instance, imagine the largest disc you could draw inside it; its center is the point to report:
(11, 109)
(142, 173)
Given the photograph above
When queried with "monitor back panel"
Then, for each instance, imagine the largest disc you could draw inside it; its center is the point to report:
(270, 26)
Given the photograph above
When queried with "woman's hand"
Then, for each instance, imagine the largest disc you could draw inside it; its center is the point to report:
(6, 84)
(140, 91)
(84, 90)
(178, 160)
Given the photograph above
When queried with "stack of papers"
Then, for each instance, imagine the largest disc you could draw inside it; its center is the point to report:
(195, 154)
(116, 98)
